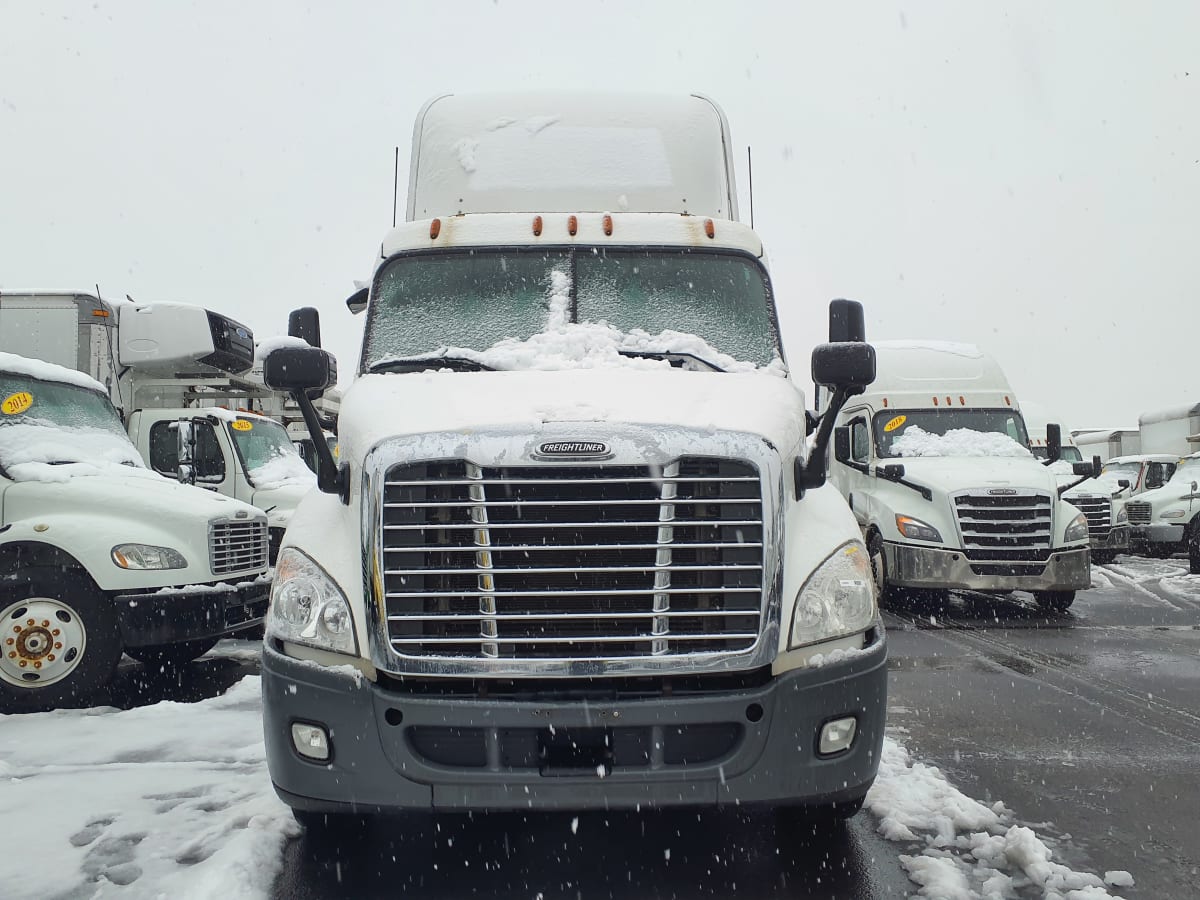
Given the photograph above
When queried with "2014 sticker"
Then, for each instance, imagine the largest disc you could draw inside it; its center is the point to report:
(17, 403)
(241, 425)
(895, 423)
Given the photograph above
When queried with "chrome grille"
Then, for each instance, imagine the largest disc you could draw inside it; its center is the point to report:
(572, 562)
(1138, 512)
(237, 545)
(1005, 527)
(1098, 510)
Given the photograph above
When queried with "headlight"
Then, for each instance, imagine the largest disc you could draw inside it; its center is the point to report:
(1174, 514)
(307, 607)
(838, 599)
(1077, 530)
(147, 556)
(917, 530)
(1122, 517)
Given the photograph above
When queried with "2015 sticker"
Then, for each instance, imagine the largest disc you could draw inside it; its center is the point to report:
(895, 423)
(16, 403)
(241, 425)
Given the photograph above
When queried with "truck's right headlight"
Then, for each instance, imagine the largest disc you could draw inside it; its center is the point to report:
(307, 606)
(1077, 530)
(838, 599)
(1122, 517)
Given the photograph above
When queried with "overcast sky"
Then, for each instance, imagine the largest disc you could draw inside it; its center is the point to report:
(1025, 176)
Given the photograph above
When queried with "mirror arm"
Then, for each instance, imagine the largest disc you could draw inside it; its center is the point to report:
(1074, 484)
(330, 479)
(812, 475)
(911, 485)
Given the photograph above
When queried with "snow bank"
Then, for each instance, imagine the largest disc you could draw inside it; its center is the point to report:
(170, 800)
(970, 850)
(55, 453)
(36, 368)
(916, 441)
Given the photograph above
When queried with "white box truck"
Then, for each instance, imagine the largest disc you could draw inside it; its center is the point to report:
(934, 461)
(162, 364)
(575, 554)
(99, 555)
(1108, 442)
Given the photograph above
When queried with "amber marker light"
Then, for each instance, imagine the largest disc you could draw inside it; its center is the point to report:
(572, 225)
(537, 226)
(435, 228)
(608, 225)
(709, 228)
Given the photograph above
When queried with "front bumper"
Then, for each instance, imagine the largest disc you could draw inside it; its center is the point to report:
(395, 750)
(1118, 538)
(930, 567)
(193, 613)
(1159, 533)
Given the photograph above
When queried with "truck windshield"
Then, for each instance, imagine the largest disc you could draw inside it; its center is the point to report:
(1187, 471)
(892, 424)
(472, 300)
(49, 422)
(1070, 454)
(267, 453)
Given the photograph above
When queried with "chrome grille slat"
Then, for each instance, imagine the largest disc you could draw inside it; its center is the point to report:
(237, 545)
(552, 563)
(1098, 510)
(1005, 527)
(1138, 512)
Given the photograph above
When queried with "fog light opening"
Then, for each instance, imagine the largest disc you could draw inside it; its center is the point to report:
(310, 741)
(837, 736)
(754, 713)
(393, 716)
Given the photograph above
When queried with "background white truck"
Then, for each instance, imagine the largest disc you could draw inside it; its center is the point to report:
(163, 364)
(1108, 442)
(100, 555)
(933, 459)
(574, 554)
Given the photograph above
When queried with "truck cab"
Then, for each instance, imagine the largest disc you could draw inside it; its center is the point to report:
(934, 461)
(1166, 517)
(102, 556)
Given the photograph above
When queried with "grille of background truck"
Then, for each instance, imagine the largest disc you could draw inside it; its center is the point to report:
(1005, 534)
(1138, 512)
(1098, 510)
(237, 545)
(572, 562)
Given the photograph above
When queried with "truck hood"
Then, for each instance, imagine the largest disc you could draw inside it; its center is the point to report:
(958, 473)
(148, 494)
(281, 501)
(377, 407)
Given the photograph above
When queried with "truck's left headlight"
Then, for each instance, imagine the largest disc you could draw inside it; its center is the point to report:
(1174, 514)
(838, 599)
(1122, 517)
(147, 556)
(307, 606)
(1077, 530)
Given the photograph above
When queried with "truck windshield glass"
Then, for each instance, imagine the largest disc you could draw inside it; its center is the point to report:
(52, 422)
(267, 453)
(1187, 471)
(473, 300)
(1070, 454)
(891, 424)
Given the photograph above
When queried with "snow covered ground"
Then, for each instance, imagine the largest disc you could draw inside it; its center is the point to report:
(173, 800)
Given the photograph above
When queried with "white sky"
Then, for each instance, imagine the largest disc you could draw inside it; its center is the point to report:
(1025, 176)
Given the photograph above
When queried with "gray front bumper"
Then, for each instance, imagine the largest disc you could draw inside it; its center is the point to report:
(1118, 538)
(378, 764)
(1159, 533)
(930, 567)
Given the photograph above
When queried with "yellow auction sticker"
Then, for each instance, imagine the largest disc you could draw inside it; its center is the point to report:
(241, 425)
(895, 423)
(16, 403)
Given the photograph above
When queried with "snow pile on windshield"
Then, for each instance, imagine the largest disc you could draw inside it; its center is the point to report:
(58, 453)
(968, 849)
(280, 470)
(916, 441)
(44, 371)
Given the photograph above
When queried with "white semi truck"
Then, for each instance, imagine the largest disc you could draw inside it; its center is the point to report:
(574, 554)
(934, 461)
(1163, 515)
(99, 555)
(163, 364)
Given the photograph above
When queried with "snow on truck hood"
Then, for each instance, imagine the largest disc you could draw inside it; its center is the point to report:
(381, 406)
(957, 473)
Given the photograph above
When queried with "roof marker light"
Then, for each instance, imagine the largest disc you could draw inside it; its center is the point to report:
(608, 225)
(949, 402)
(962, 400)
(572, 225)
(935, 401)
(100, 313)
(537, 226)
(1007, 401)
(885, 402)
(435, 228)
(709, 228)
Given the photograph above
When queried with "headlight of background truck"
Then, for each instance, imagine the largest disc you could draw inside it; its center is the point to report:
(147, 556)
(837, 600)
(307, 607)
(917, 530)
(1077, 530)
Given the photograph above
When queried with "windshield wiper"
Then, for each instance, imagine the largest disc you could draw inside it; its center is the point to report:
(429, 361)
(677, 360)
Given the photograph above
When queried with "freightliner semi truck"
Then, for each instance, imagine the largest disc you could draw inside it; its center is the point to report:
(574, 553)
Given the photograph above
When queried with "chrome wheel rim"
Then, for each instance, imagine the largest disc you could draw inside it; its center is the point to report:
(42, 641)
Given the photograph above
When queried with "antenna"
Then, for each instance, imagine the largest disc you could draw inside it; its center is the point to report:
(395, 185)
(750, 170)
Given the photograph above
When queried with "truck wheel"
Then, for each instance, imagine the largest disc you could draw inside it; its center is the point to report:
(1103, 557)
(879, 569)
(1054, 601)
(171, 656)
(59, 640)
(1194, 556)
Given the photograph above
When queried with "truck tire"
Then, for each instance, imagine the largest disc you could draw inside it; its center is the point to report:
(1194, 547)
(171, 656)
(879, 569)
(1103, 557)
(1054, 601)
(59, 640)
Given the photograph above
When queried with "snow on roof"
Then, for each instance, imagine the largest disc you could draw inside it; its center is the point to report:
(44, 371)
(276, 342)
(1143, 457)
(1167, 415)
(956, 442)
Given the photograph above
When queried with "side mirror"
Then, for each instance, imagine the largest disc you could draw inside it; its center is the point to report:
(847, 365)
(841, 443)
(357, 301)
(299, 369)
(1053, 443)
(1122, 483)
(892, 471)
(185, 451)
(846, 322)
(305, 323)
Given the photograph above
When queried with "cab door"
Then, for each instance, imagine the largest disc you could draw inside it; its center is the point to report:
(212, 466)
